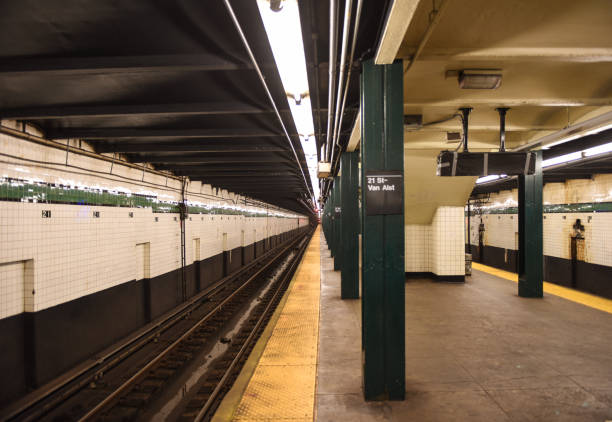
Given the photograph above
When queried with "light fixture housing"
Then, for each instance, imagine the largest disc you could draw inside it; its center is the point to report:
(324, 169)
(479, 79)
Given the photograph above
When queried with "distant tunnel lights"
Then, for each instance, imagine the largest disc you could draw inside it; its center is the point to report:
(282, 23)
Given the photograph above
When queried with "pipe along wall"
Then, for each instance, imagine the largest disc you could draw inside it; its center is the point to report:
(89, 253)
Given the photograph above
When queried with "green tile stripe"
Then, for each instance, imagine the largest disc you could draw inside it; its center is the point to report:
(14, 190)
(554, 208)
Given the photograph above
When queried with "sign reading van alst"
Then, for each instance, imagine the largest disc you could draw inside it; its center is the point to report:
(384, 192)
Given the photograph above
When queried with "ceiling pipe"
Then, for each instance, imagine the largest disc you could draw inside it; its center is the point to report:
(577, 130)
(502, 127)
(348, 7)
(333, 29)
(465, 113)
(270, 97)
(348, 78)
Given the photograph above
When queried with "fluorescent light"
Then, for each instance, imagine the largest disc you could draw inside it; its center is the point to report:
(572, 156)
(580, 134)
(285, 35)
(600, 149)
(578, 155)
(490, 178)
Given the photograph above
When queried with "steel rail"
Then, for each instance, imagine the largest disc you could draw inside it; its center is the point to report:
(269, 94)
(110, 357)
(142, 371)
(287, 277)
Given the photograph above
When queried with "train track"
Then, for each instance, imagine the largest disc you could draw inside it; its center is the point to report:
(139, 374)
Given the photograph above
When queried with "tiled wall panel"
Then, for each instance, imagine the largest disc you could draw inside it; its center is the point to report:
(438, 247)
(501, 220)
(83, 249)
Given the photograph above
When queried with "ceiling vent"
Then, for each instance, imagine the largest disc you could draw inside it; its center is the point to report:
(413, 121)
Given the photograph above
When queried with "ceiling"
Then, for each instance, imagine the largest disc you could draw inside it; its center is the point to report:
(585, 168)
(162, 82)
(555, 58)
(315, 20)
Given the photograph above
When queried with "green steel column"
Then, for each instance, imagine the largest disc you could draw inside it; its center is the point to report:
(337, 211)
(531, 249)
(332, 219)
(382, 148)
(349, 264)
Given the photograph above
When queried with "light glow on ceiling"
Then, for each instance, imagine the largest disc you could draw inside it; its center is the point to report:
(489, 178)
(285, 35)
(562, 159)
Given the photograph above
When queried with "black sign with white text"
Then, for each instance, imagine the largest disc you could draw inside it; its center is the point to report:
(384, 192)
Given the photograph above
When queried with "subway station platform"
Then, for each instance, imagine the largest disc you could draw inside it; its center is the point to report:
(474, 352)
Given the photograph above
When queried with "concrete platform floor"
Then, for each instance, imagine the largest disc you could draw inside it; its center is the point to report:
(474, 352)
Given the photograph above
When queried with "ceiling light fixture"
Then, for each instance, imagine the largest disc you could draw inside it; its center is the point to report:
(479, 79)
(282, 23)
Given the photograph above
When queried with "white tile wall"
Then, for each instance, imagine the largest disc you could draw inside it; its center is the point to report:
(501, 229)
(448, 241)
(438, 247)
(417, 248)
(73, 254)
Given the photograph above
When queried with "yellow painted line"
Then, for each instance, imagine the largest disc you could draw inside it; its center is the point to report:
(283, 383)
(582, 298)
(229, 404)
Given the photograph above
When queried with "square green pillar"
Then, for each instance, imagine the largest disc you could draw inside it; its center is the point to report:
(349, 202)
(337, 213)
(382, 149)
(332, 222)
(531, 249)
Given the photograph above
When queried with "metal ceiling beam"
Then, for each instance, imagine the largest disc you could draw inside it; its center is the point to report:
(119, 133)
(507, 102)
(207, 158)
(518, 54)
(187, 109)
(225, 167)
(225, 147)
(229, 175)
(252, 181)
(118, 64)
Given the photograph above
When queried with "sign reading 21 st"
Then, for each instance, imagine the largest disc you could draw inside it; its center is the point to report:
(384, 192)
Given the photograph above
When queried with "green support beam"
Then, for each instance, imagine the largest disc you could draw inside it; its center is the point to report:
(530, 221)
(349, 193)
(332, 222)
(383, 317)
(337, 213)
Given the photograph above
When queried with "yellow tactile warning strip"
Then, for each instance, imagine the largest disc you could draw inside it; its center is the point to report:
(586, 299)
(282, 387)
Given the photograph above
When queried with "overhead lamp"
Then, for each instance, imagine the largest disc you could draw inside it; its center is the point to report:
(276, 5)
(490, 178)
(281, 19)
(479, 79)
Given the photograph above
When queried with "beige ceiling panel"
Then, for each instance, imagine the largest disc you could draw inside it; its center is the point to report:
(471, 25)
(424, 192)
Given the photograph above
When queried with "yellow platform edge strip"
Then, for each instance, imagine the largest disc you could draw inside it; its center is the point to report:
(283, 353)
(572, 295)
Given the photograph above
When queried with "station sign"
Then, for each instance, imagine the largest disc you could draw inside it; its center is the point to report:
(384, 192)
